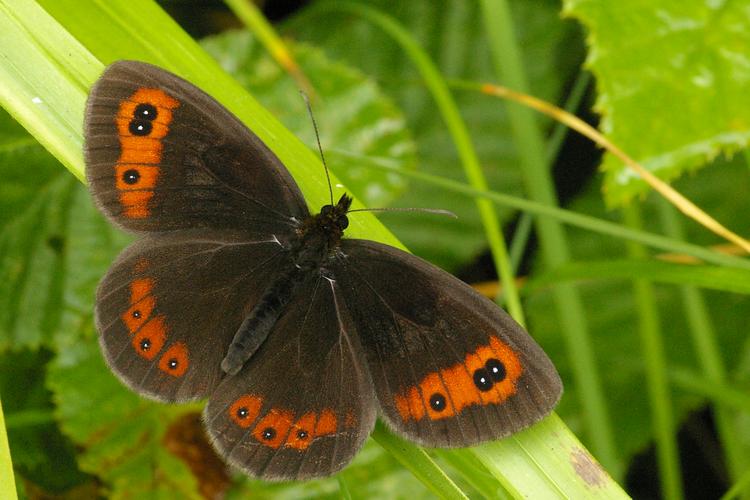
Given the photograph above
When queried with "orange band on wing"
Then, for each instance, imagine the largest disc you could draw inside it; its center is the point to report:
(272, 430)
(175, 360)
(302, 432)
(487, 376)
(278, 427)
(142, 121)
(245, 410)
(150, 338)
(141, 303)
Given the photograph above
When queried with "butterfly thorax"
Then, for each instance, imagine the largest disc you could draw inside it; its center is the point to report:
(320, 234)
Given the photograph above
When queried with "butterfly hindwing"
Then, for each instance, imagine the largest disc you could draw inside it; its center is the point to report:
(303, 405)
(450, 368)
(169, 306)
(161, 155)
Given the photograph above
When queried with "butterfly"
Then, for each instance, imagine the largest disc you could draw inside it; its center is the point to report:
(298, 337)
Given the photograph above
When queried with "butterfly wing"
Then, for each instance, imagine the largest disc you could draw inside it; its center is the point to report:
(161, 155)
(450, 368)
(169, 307)
(304, 404)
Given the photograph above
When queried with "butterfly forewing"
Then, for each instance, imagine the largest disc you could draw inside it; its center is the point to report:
(450, 368)
(169, 306)
(304, 404)
(162, 155)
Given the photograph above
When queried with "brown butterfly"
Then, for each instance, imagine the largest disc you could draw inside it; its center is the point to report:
(298, 337)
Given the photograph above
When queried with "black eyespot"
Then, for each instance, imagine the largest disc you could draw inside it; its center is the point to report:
(131, 176)
(269, 433)
(172, 363)
(145, 344)
(496, 369)
(136, 314)
(242, 412)
(437, 402)
(140, 127)
(145, 112)
(301, 434)
(483, 380)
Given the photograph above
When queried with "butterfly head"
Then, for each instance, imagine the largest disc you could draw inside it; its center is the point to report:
(333, 217)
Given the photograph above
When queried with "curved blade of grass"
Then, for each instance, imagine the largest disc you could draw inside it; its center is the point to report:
(30, 77)
(579, 220)
(674, 197)
(418, 462)
(710, 277)
(722, 394)
(654, 358)
(253, 18)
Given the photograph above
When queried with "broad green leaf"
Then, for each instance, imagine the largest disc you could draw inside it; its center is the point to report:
(31, 254)
(41, 454)
(449, 30)
(672, 77)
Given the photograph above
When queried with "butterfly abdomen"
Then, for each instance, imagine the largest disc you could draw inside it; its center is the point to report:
(260, 321)
(313, 246)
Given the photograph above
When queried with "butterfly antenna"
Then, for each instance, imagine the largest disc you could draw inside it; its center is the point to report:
(433, 211)
(317, 138)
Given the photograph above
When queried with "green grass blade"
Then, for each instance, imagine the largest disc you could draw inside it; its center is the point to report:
(706, 349)
(579, 220)
(709, 277)
(660, 401)
(419, 463)
(43, 79)
(721, 394)
(8, 484)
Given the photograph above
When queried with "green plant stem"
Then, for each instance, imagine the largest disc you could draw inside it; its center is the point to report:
(705, 348)
(457, 128)
(656, 374)
(253, 18)
(8, 481)
(523, 228)
(554, 248)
